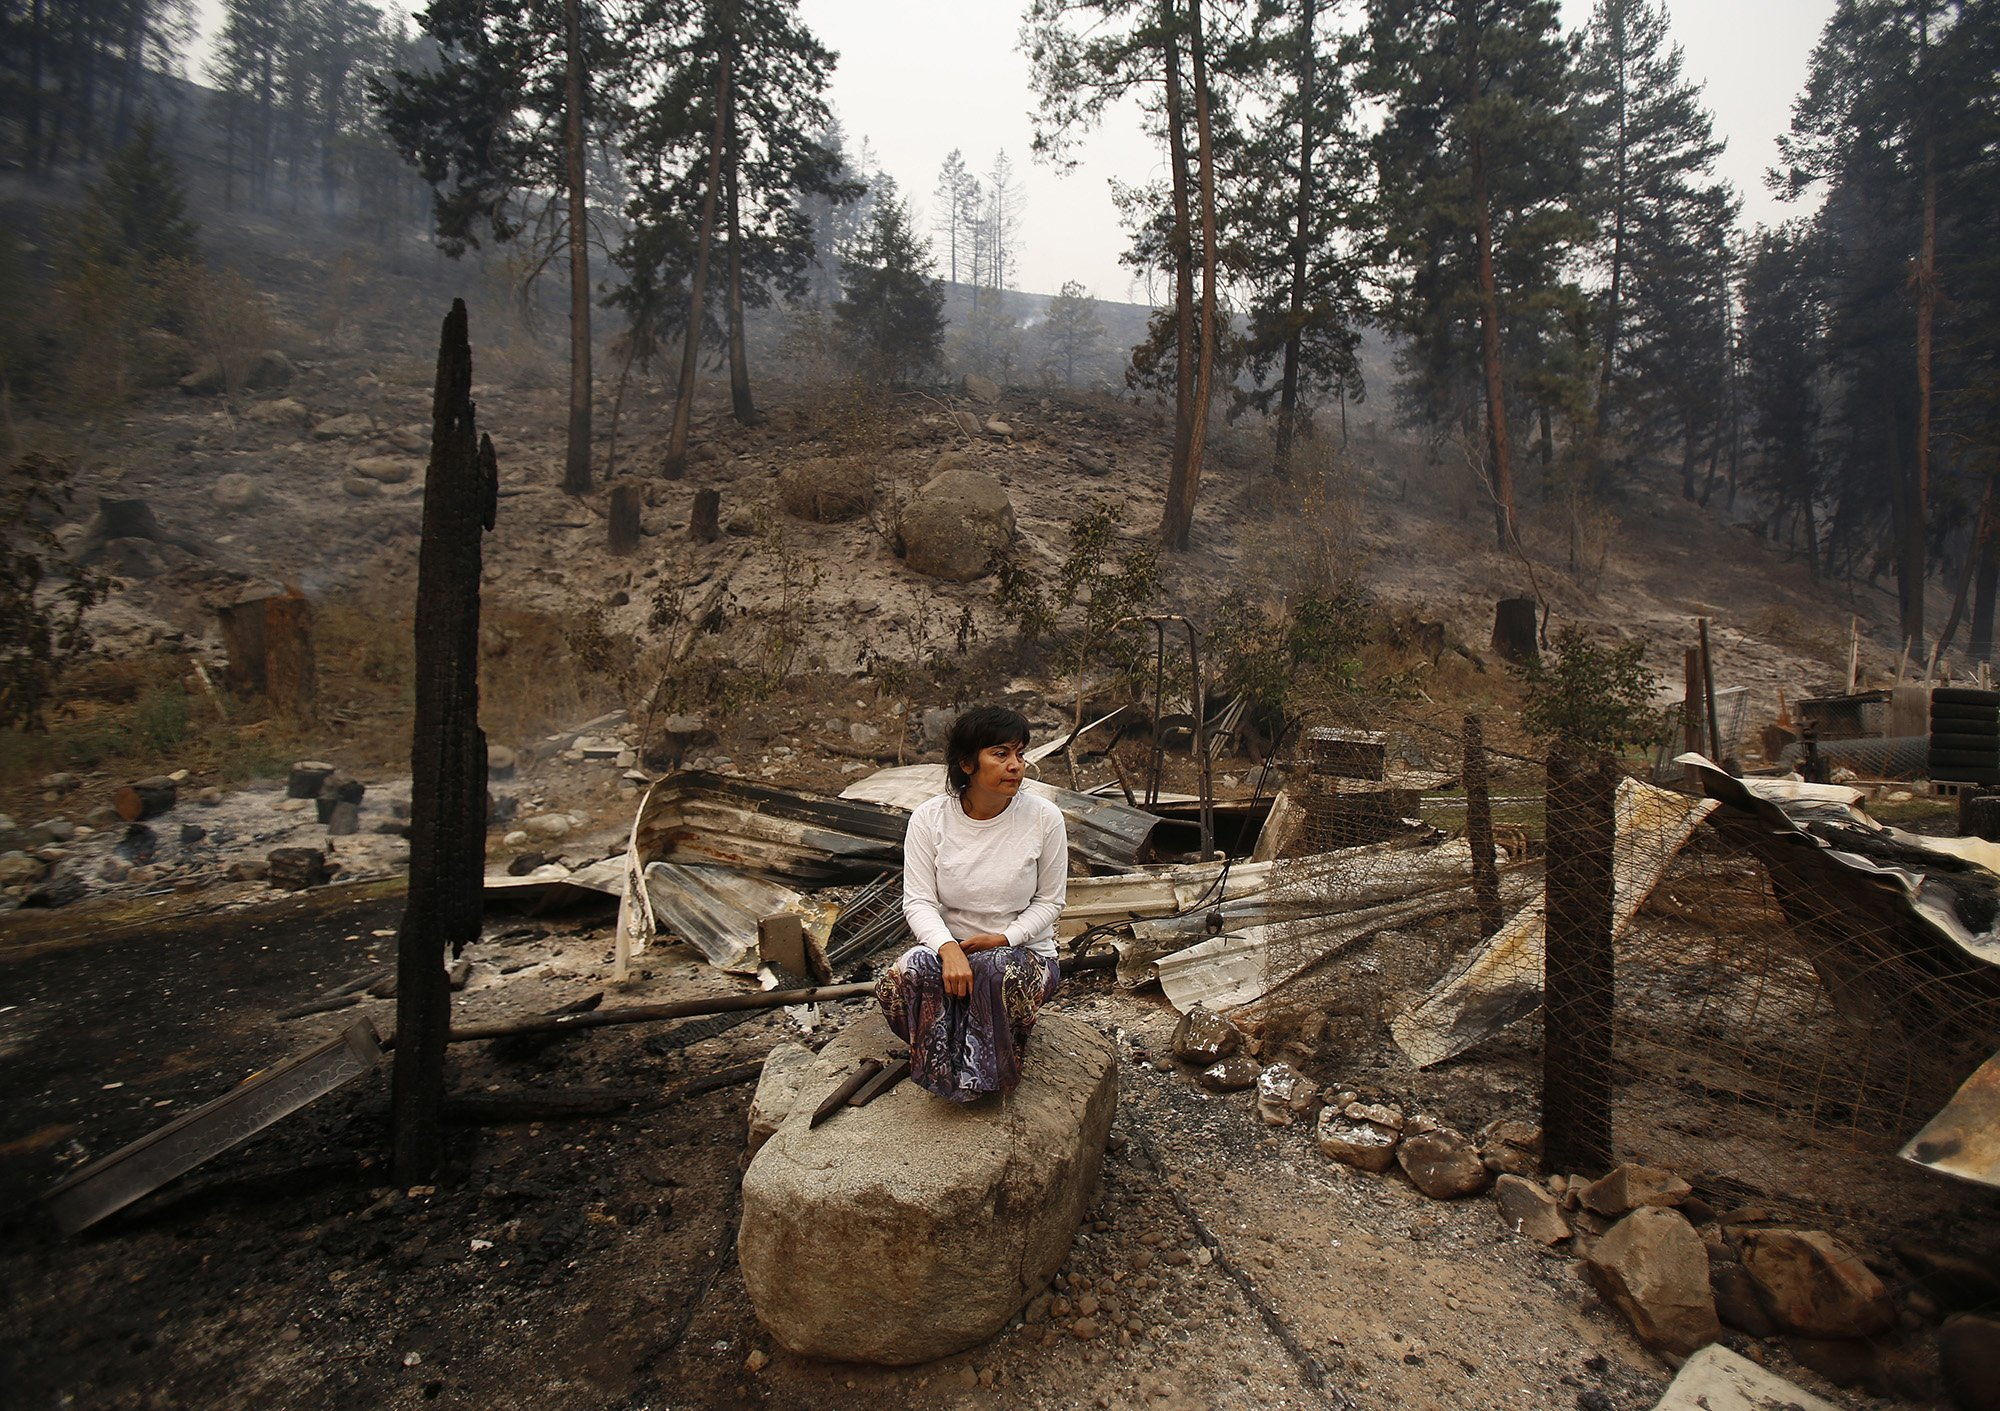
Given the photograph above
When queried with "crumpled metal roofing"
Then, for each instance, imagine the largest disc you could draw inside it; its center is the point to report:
(1103, 834)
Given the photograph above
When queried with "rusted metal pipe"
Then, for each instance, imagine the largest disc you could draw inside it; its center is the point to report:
(652, 1013)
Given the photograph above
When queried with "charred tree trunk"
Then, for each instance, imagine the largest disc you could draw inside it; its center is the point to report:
(1204, 377)
(1916, 570)
(1183, 248)
(623, 516)
(1985, 580)
(290, 681)
(1288, 393)
(677, 440)
(740, 404)
(447, 755)
(576, 459)
(704, 520)
(1499, 450)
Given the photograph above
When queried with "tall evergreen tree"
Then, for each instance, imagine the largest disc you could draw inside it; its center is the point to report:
(891, 305)
(1784, 325)
(1071, 331)
(1649, 148)
(1292, 215)
(1479, 178)
(506, 113)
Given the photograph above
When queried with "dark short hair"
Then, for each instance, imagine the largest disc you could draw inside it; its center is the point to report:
(979, 729)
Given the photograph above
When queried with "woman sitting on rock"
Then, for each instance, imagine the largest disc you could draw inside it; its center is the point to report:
(985, 870)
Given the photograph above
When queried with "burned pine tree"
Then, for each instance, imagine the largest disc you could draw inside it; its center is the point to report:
(447, 753)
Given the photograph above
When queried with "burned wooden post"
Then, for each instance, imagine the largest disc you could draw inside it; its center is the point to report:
(1577, 983)
(1514, 629)
(1479, 829)
(705, 519)
(290, 679)
(623, 516)
(1691, 697)
(1708, 695)
(447, 754)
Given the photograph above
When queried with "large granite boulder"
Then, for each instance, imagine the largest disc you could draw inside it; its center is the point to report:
(956, 526)
(914, 1228)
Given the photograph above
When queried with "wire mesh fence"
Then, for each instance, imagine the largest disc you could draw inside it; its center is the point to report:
(1765, 991)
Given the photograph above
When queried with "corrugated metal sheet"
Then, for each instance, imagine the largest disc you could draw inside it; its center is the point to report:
(1963, 1140)
(1103, 834)
(716, 910)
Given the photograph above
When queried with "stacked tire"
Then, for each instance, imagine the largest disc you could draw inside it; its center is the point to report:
(1965, 736)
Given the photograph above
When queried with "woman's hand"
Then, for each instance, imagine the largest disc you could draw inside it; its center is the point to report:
(957, 970)
(985, 940)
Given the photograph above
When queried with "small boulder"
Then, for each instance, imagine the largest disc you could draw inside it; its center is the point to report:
(956, 526)
(360, 487)
(234, 492)
(1969, 1360)
(335, 428)
(996, 427)
(1736, 1300)
(500, 762)
(1353, 1137)
(269, 370)
(1716, 1379)
(981, 389)
(913, 1228)
(1815, 1286)
(20, 869)
(785, 1070)
(966, 422)
(1511, 1145)
(1528, 1209)
(1628, 1187)
(386, 470)
(548, 826)
(1443, 1164)
(412, 440)
(1231, 1075)
(1277, 1087)
(1652, 1268)
(284, 413)
(1202, 1037)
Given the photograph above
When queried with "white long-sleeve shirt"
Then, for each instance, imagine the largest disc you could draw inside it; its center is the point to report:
(965, 876)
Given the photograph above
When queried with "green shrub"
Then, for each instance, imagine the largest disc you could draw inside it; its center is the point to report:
(1587, 696)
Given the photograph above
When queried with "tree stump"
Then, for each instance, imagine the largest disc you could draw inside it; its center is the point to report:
(705, 519)
(296, 869)
(1515, 629)
(145, 798)
(1981, 818)
(626, 499)
(243, 640)
(307, 778)
(289, 679)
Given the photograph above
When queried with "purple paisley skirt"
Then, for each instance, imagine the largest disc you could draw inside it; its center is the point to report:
(963, 1049)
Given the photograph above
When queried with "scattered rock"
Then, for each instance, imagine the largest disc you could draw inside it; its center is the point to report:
(1203, 1037)
(1230, 1075)
(1443, 1163)
(875, 1238)
(1511, 1145)
(19, 869)
(1360, 1135)
(1736, 1300)
(981, 389)
(1628, 1187)
(336, 427)
(1883, 1367)
(547, 825)
(1277, 1087)
(360, 486)
(757, 1361)
(1089, 462)
(285, 413)
(1815, 1286)
(386, 470)
(235, 491)
(1969, 1360)
(1527, 1209)
(1651, 1266)
(295, 869)
(996, 427)
(248, 869)
(956, 526)
(1716, 1379)
(270, 370)
(966, 422)
(500, 762)
(413, 440)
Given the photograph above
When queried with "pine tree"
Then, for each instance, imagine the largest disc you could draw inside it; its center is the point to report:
(1071, 332)
(1478, 183)
(948, 218)
(1784, 325)
(891, 307)
(1292, 216)
(507, 113)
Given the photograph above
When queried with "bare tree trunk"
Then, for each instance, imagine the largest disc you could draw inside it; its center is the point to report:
(1184, 375)
(1288, 393)
(576, 460)
(1916, 570)
(1501, 472)
(1178, 532)
(447, 756)
(744, 410)
(1985, 581)
(677, 439)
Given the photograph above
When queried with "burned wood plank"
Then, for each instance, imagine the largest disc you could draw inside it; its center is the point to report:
(652, 1013)
(109, 1185)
